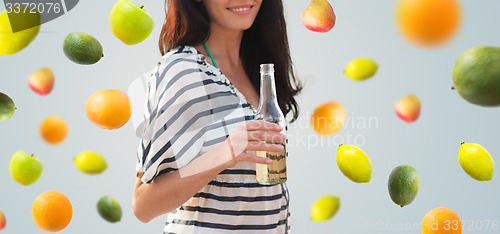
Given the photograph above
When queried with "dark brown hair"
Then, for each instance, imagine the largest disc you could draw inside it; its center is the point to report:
(266, 41)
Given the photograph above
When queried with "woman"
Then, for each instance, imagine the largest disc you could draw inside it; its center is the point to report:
(196, 157)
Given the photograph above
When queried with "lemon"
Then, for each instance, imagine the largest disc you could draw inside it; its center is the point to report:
(361, 69)
(90, 162)
(354, 163)
(11, 43)
(325, 208)
(476, 161)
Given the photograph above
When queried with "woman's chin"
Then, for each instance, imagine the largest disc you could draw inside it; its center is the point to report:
(243, 25)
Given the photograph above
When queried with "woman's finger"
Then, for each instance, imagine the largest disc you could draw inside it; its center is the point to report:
(262, 146)
(261, 125)
(255, 159)
(259, 135)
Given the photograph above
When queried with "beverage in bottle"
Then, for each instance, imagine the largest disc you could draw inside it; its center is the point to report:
(269, 110)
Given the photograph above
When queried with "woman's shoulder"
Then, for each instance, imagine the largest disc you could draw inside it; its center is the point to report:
(182, 54)
(179, 67)
(178, 61)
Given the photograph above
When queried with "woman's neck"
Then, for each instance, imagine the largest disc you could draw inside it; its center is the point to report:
(225, 45)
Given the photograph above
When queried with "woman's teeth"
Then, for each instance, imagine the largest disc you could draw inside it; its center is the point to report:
(240, 9)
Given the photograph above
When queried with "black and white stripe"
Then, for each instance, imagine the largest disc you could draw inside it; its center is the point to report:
(192, 107)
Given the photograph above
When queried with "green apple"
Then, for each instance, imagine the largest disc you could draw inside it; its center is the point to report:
(25, 168)
(130, 22)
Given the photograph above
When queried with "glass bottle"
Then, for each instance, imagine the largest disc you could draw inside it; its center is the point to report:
(269, 110)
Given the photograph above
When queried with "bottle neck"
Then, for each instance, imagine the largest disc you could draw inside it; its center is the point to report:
(267, 91)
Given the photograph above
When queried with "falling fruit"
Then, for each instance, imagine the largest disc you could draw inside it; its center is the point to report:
(108, 109)
(325, 208)
(441, 220)
(3, 221)
(476, 161)
(10, 42)
(354, 163)
(476, 76)
(130, 22)
(403, 185)
(408, 108)
(41, 81)
(428, 23)
(90, 162)
(24, 168)
(318, 16)
(52, 211)
(7, 107)
(109, 209)
(328, 118)
(53, 130)
(82, 48)
(361, 69)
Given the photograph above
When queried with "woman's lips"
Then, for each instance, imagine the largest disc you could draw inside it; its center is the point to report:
(241, 10)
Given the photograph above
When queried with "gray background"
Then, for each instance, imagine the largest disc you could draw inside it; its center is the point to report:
(364, 28)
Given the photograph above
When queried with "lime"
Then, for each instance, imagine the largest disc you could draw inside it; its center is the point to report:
(7, 107)
(109, 209)
(82, 48)
(403, 185)
(90, 162)
(325, 208)
(476, 161)
(354, 163)
(361, 69)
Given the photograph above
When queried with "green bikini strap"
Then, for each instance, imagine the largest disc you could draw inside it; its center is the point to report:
(211, 57)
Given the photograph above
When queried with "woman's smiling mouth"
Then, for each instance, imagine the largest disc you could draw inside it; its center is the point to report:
(240, 10)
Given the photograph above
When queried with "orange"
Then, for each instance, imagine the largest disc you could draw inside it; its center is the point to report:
(328, 118)
(441, 221)
(428, 22)
(53, 129)
(108, 109)
(52, 211)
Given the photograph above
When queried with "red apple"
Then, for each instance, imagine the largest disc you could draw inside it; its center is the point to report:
(41, 81)
(3, 222)
(408, 108)
(318, 16)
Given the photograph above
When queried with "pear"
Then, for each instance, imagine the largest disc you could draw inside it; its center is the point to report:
(318, 16)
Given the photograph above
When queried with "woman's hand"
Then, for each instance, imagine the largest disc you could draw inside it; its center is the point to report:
(169, 191)
(251, 135)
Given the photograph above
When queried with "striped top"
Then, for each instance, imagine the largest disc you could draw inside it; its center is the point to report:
(190, 108)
